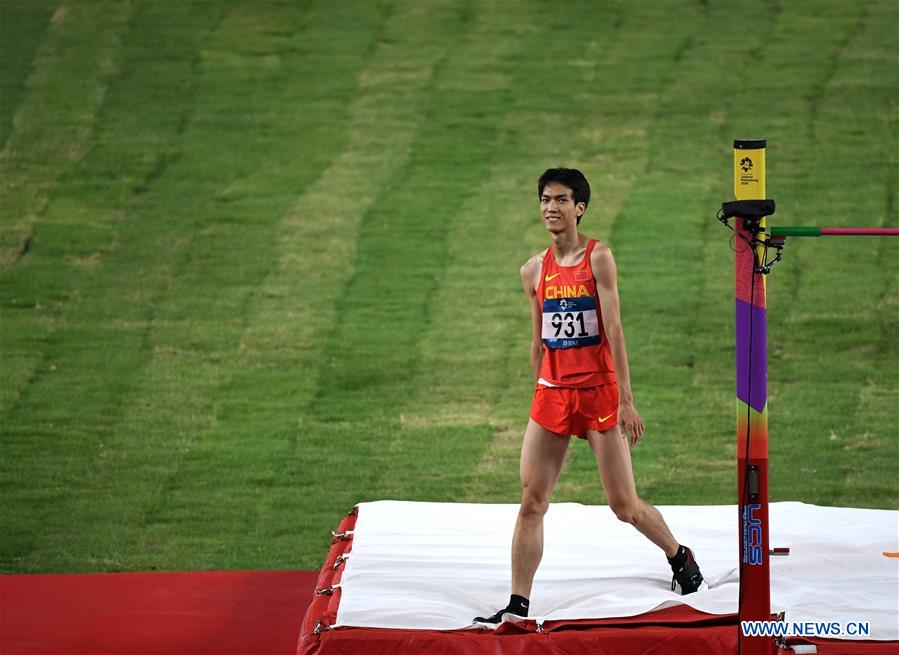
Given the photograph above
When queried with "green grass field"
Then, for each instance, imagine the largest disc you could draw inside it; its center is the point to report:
(259, 260)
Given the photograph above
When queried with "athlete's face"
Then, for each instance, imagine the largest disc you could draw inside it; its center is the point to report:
(558, 209)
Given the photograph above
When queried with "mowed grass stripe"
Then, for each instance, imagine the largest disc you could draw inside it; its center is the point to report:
(384, 308)
(22, 27)
(220, 476)
(130, 146)
(320, 469)
(316, 242)
(68, 344)
(181, 260)
(51, 132)
(444, 423)
(371, 361)
(53, 125)
(879, 399)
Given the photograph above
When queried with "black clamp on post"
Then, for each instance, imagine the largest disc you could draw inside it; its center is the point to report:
(752, 212)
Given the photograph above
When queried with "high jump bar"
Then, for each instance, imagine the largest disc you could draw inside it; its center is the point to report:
(834, 231)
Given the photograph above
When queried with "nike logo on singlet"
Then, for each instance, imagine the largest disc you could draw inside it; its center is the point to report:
(551, 277)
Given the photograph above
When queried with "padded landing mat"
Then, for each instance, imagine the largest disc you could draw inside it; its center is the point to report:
(415, 573)
(211, 612)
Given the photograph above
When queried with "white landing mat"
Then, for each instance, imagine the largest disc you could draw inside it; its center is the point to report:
(434, 566)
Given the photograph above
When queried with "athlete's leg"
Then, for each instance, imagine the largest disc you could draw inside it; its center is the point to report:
(613, 457)
(542, 456)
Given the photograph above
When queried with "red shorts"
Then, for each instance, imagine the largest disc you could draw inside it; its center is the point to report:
(567, 410)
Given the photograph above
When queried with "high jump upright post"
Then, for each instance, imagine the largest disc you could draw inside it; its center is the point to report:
(753, 244)
(752, 399)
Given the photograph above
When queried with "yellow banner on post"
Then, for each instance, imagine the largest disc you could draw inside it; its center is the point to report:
(749, 170)
(749, 181)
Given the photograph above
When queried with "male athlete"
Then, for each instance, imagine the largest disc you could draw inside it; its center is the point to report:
(582, 388)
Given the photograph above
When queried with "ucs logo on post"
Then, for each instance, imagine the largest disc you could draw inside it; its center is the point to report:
(752, 535)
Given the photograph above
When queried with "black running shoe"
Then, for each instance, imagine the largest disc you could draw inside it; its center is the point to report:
(496, 619)
(688, 576)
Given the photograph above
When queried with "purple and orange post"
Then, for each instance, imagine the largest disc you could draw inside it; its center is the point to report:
(752, 397)
(752, 244)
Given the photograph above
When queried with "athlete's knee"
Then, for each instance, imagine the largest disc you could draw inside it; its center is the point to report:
(533, 505)
(627, 511)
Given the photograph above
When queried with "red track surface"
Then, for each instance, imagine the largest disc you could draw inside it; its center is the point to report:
(253, 612)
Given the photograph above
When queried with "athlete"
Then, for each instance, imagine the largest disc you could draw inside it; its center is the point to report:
(583, 388)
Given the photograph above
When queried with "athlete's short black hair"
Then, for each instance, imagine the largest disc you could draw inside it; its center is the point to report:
(571, 178)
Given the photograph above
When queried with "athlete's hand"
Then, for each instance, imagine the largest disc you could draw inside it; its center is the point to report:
(630, 422)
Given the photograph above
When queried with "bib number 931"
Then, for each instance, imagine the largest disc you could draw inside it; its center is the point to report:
(570, 322)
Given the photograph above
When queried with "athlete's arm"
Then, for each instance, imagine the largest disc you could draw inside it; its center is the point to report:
(529, 273)
(606, 277)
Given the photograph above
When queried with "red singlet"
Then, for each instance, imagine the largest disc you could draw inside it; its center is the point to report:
(575, 350)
